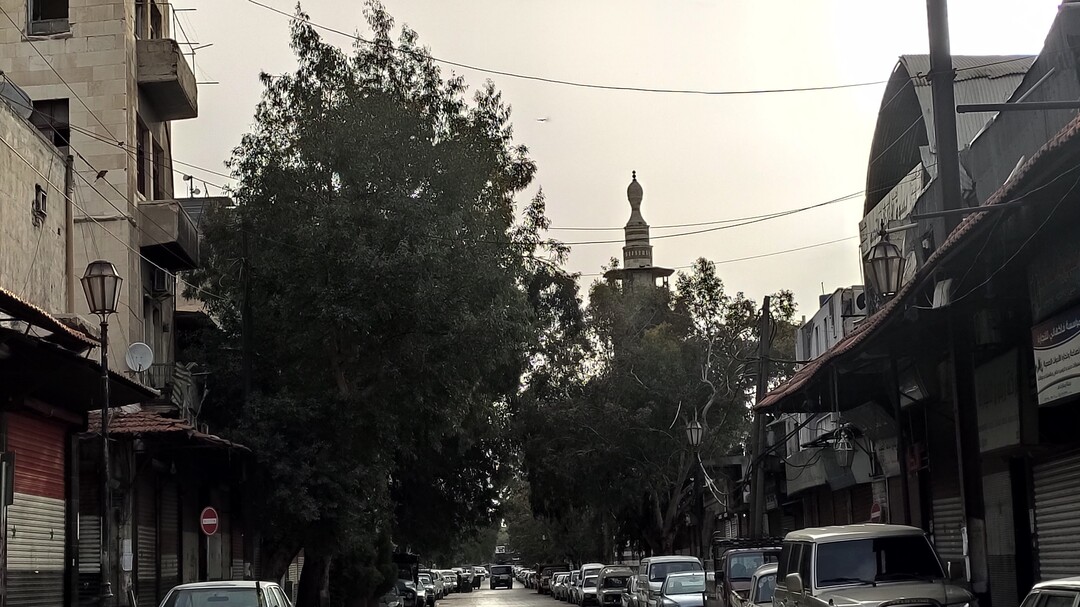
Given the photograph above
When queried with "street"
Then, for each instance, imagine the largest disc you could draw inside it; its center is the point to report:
(518, 596)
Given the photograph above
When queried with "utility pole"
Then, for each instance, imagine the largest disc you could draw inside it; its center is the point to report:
(942, 76)
(245, 310)
(757, 470)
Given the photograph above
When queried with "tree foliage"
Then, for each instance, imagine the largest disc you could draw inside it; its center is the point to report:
(396, 301)
(611, 439)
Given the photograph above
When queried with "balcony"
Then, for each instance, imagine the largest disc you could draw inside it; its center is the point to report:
(169, 236)
(180, 387)
(166, 79)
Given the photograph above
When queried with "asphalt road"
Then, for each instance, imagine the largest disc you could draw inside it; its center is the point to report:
(518, 596)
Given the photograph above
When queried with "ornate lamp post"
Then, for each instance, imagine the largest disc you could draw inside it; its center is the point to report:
(694, 432)
(101, 284)
(885, 266)
(843, 448)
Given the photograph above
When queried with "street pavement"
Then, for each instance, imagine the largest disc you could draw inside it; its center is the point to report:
(518, 596)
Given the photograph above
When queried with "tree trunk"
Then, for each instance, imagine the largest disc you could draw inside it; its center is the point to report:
(279, 557)
(314, 578)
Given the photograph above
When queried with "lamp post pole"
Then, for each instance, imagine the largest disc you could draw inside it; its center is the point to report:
(101, 284)
(694, 432)
(106, 491)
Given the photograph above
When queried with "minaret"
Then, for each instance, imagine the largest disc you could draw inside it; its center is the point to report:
(637, 266)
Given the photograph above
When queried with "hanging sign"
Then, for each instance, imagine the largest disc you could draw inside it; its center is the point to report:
(1056, 344)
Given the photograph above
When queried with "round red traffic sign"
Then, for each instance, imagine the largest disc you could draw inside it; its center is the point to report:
(875, 512)
(208, 521)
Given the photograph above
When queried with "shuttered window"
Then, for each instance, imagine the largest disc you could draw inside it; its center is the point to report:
(1057, 526)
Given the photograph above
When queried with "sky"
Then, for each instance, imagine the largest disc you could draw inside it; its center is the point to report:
(699, 158)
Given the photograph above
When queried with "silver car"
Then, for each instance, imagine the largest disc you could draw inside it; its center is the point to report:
(234, 592)
(683, 590)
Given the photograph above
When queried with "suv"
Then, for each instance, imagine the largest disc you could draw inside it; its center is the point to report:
(866, 565)
(654, 570)
(501, 575)
(268, 594)
(736, 561)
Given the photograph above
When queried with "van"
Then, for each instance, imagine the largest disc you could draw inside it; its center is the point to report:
(862, 565)
(654, 570)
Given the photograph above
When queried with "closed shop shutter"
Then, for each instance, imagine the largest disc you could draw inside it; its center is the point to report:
(146, 541)
(841, 507)
(237, 552)
(37, 519)
(1000, 539)
(948, 520)
(1057, 516)
(170, 539)
(825, 506)
(89, 528)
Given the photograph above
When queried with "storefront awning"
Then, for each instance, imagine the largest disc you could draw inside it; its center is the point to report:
(783, 397)
(134, 422)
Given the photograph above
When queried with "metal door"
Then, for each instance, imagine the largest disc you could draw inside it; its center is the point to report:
(146, 541)
(89, 527)
(169, 549)
(37, 520)
(1000, 539)
(1057, 516)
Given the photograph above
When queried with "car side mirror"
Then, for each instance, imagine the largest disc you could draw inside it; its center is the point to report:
(794, 583)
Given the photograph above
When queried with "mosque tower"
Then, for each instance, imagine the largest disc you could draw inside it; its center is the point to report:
(637, 268)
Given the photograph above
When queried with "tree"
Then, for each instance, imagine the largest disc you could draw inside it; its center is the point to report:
(396, 302)
(656, 359)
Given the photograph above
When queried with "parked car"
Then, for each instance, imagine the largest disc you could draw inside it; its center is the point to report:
(390, 599)
(736, 560)
(464, 579)
(543, 585)
(653, 571)
(411, 594)
(1054, 592)
(610, 584)
(586, 570)
(862, 564)
(683, 590)
(438, 585)
(762, 587)
(430, 592)
(502, 576)
(588, 591)
(268, 594)
(572, 584)
(634, 595)
(559, 585)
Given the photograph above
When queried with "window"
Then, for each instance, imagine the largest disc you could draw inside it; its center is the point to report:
(615, 582)
(51, 118)
(806, 556)
(659, 571)
(876, 560)
(40, 205)
(1057, 598)
(48, 17)
(158, 166)
(142, 158)
(590, 582)
(766, 586)
(212, 597)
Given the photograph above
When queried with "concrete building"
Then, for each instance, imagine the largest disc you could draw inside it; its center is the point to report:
(106, 79)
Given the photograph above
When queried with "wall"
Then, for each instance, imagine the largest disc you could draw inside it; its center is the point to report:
(96, 59)
(31, 249)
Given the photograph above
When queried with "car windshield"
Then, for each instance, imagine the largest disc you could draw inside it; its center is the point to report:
(766, 585)
(742, 565)
(213, 597)
(685, 584)
(590, 582)
(500, 570)
(658, 572)
(882, 559)
(616, 581)
(424, 579)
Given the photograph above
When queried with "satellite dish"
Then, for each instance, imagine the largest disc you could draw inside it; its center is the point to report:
(139, 357)
(16, 98)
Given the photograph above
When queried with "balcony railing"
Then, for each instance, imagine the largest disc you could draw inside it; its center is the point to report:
(167, 79)
(178, 384)
(169, 236)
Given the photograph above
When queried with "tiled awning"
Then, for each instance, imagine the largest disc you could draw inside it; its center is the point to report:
(137, 423)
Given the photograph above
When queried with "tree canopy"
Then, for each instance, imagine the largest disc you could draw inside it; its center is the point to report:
(395, 299)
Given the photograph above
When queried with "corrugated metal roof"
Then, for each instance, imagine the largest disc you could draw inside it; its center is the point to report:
(57, 331)
(134, 421)
(872, 324)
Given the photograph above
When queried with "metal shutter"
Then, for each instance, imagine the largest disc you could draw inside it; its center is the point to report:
(36, 521)
(1057, 526)
(237, 551)
(89, 527)
(948, 519)
(1000, 539)
(170, 539)
(146, 542)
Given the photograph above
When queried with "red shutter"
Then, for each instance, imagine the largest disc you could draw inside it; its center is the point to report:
(38, 444)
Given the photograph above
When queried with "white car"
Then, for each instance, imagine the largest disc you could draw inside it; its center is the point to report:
(222, 594)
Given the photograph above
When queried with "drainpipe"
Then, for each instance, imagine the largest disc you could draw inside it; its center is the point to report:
(69, 235)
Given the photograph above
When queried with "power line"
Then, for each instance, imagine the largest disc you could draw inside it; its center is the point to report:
(558, 81)
(750, 257)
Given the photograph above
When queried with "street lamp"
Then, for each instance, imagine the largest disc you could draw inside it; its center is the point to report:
(694, 432)
(843, 449)
(101, 284)
(885, 265)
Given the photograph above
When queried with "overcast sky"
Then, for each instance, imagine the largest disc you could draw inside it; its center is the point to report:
(699, 158)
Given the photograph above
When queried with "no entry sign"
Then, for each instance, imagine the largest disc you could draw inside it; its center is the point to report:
(208, 521)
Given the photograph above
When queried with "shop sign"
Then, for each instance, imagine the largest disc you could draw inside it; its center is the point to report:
(997, 400)
(1056, 343)
(1054, 277)
(885, 450)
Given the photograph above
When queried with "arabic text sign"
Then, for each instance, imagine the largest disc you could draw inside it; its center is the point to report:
(1056, 343)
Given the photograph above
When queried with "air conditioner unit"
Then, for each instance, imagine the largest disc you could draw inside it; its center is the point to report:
(853, 303)
(160, 285)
